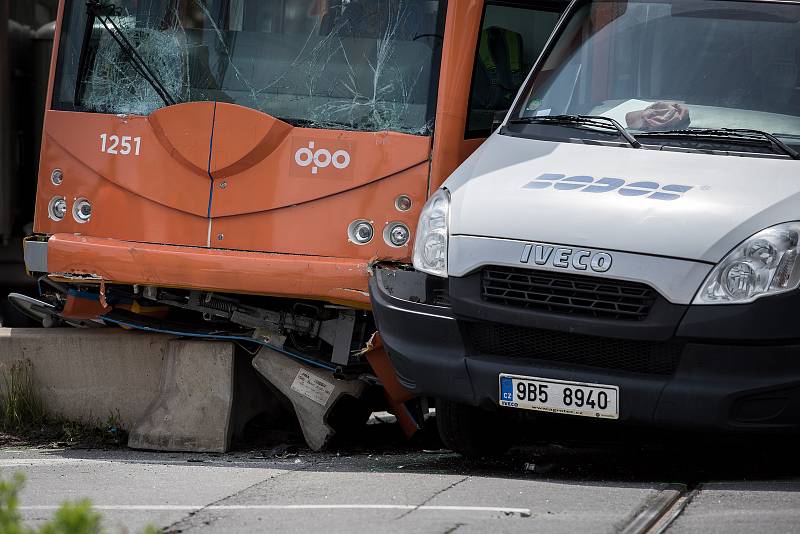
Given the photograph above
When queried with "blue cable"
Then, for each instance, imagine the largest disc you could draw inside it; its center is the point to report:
(222, 338)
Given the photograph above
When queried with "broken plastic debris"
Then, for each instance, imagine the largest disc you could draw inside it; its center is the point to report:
(530, 466)
(437, 451)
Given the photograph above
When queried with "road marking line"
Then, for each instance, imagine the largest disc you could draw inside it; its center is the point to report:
(37, 462)
(233, 507)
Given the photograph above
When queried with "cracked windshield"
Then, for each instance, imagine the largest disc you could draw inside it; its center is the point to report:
(734, 65)
(339, 64)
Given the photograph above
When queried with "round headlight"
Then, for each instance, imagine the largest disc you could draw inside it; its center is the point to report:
(82, 210)
(57, 208)
(360, 232)
(396, 234)
(403, 203)
(57, 176)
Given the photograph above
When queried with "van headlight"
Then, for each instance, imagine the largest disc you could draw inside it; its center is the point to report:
(430, 246)
(763, 265)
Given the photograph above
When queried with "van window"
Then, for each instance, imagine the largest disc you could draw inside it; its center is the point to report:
(666, 65)
(511, 38)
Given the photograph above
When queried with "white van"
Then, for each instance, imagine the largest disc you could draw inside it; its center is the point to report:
(625, 246)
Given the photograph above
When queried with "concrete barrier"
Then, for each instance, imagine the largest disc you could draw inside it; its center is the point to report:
(156, 386)
(193, 409)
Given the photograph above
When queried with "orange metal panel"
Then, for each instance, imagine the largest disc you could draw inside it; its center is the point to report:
(320, 227)
(331, 279)
(172, 165)
(384, 370)
(458, 56)
(396, 394)
(243, 137)
(116, 212)
(184, 132)
(260, 163)
(54, 54)
(81, 308)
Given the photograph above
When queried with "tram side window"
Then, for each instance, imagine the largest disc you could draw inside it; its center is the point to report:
(511, 39)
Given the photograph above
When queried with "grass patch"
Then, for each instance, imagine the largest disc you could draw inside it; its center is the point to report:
(24, 419)
(71, 518)
(21, 406)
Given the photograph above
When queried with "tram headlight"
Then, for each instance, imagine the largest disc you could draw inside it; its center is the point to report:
(396, 234)
(360, 232)
(57, 208)
(82, 210)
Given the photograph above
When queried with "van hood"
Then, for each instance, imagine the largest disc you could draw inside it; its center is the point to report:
(677, 204)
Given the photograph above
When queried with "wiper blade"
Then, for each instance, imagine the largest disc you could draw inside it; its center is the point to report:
(597, 121)
(740, 134)
(102, 11)
(310, 123)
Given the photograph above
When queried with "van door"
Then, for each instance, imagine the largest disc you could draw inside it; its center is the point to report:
(512, 37)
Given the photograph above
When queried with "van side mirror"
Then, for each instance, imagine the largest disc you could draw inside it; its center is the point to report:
(497, 118)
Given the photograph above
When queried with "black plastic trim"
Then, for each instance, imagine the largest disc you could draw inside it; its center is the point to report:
(765, 320)
(660, 325)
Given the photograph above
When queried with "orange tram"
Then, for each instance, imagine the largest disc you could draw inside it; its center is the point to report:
(233, 169)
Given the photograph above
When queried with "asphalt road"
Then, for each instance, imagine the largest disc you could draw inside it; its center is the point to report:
(695, 487)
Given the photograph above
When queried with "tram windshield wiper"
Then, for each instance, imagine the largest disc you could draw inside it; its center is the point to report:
(593, 121)
(103, 11)
(739, 135)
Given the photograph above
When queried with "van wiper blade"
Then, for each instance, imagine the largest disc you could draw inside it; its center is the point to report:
(739, 134)
(102, 11)
(597, 121)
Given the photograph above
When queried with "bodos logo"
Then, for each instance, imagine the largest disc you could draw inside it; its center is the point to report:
(316, 159)
(590, 184)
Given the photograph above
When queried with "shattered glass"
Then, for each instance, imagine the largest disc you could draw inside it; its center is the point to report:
(367, 65)
(116, 87)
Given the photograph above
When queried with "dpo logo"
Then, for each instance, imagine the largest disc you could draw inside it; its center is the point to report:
(321, 158)
(589, 184)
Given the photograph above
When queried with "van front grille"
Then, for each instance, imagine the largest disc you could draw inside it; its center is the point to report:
(567, 293)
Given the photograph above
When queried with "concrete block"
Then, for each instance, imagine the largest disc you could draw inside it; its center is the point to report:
(170, 394)
(193, 409)
(88, 375)
(312, 391)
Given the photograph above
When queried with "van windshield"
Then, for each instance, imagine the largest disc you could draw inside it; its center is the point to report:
(667, 65)
(342, 64)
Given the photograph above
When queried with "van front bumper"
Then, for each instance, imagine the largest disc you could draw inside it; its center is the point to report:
(733, 385)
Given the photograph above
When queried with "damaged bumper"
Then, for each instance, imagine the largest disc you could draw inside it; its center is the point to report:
(674, 375)
(340, 280)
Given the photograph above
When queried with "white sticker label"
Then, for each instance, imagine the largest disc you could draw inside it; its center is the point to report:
(311, 386)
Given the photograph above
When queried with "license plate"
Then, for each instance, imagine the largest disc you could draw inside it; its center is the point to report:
(559, 396)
